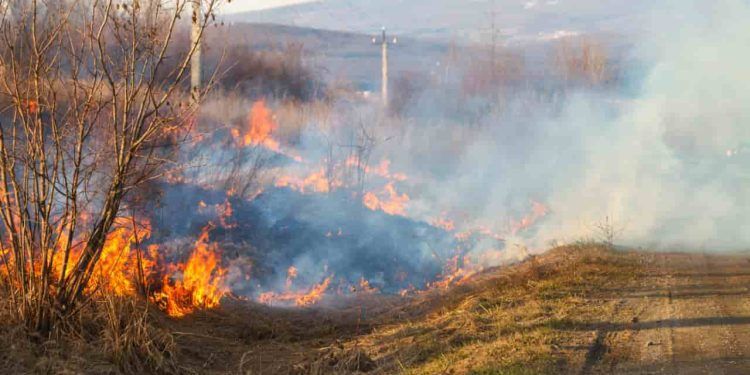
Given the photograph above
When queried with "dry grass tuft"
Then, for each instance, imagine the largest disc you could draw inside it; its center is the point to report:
(339, 360)
(131, 341)
(507, 321)
(109, 336)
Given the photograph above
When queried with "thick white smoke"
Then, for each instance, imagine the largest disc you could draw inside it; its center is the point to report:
(660, 158)
(664, 168)
(671, 170)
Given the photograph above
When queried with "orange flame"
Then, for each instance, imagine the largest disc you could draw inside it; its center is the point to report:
(118, 263)
(316, 182)
(291, 274)
(225, 212)
(365, 287)
(117, 270)
(301, 299)
(315, 294)
(202, 283)
(393, 203)
(260, 127)
(538, 211)
(455, 273)
(32, 106)
(381, 170)
(444, 224)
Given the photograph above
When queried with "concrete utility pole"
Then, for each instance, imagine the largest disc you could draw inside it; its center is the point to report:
(195, 62)
(384, 63)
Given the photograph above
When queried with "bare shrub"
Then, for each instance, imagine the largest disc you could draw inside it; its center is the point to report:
(85, 121)
(407, 87)
(582, 60)
(606, 232)
(488, 76)
(280, 72)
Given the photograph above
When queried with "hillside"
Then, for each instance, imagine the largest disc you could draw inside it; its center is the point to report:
(518, 21)
(580, 309)
(334, 55)
(347, 57)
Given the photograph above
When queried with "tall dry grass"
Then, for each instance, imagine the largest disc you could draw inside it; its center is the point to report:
(110, 335)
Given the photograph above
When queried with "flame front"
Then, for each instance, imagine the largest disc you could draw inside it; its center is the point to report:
(125, 270)
(201, 281)
(117, 270)
(392, 202)
(261, 127)
(201, 284)
(538, 211)
(122, 264)
(301, 299)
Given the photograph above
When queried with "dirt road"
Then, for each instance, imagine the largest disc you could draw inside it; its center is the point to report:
(689, 314)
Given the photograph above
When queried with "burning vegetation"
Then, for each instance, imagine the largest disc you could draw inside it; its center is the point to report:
(197, 283)
(133, 262)
(143, 216)
(131, 193)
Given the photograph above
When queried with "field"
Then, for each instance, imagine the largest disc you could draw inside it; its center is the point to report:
(579, 309)
(551, 188)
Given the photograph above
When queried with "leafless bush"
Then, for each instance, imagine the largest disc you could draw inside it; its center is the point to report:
(406, 89)
(358, 147)
(489, 76)
(606, 231)
(280, 73)
(85, 121)
(582, 60)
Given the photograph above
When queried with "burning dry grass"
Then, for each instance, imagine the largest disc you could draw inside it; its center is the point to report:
(516, 320)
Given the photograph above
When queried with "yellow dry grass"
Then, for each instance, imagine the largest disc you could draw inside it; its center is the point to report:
(530, 318)
(514, 321)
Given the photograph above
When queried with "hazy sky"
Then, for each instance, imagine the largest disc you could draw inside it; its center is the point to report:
(245, 5)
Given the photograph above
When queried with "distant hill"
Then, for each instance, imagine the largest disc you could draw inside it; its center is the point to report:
(333, 54)
(353, 58)
(518, 21)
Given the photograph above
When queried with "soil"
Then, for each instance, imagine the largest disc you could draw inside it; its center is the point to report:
(688, 314)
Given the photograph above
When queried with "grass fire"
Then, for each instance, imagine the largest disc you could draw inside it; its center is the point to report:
(354, 187)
